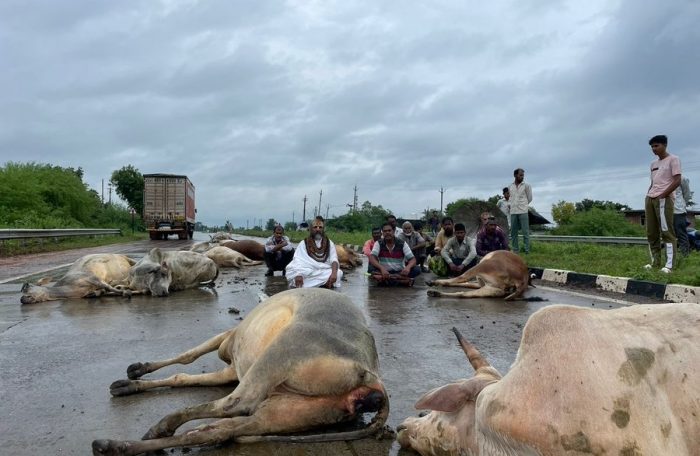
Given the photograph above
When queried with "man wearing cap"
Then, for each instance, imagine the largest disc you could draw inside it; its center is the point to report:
(490, 239)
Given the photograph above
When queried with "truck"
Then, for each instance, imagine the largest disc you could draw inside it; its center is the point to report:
(168, 206)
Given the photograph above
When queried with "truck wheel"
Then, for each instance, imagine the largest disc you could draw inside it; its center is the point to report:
(182, 236)
(191, 234)
(154, 236)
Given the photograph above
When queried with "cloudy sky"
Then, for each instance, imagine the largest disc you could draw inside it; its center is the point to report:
(261, 103)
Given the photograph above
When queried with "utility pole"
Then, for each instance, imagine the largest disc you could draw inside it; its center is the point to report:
(354, 200)
(109, 185)
(247, 227)
(303, 217)
(328, 206)
(292, 216)
(319, 202)
(103, 192)
(442, 191)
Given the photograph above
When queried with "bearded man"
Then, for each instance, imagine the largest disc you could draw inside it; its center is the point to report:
(315, 262)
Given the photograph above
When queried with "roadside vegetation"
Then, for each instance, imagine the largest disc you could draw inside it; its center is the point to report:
(42, 196)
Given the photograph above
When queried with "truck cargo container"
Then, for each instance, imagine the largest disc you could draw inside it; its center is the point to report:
(168, 206)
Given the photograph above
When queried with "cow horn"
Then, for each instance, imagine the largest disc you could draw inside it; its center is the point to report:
(477, 361)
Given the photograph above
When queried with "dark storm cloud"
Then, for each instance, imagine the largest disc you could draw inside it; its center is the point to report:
(261, 103)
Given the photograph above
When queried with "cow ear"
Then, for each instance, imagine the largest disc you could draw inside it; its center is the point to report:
(163, 266)
(156, 255)
(451, 397)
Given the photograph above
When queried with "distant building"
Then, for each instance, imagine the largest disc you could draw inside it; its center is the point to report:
(637, 217)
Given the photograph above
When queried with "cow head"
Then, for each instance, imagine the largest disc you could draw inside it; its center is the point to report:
(32, 294)
(151, 274)
(449, 427)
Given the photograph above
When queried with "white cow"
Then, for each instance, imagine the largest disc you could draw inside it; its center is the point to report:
(227, 258)
(90, 276)
(160, 272)
(584, 382)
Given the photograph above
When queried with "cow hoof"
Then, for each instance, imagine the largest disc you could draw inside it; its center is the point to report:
(430, 283)
(108, 447)
(123, 387)
(136, 370)
(25, 287)
(434, 293)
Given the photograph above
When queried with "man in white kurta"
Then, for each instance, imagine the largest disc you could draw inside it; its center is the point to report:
(315, 262)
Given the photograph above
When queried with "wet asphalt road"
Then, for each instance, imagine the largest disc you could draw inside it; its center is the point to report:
(59, 358)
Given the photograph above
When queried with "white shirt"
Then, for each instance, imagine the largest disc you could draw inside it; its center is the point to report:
(520, 197)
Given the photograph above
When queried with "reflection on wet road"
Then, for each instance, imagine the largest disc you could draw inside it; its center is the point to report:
(58, 358)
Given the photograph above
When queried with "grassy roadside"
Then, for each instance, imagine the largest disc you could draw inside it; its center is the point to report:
(26, 246)
(612, 260)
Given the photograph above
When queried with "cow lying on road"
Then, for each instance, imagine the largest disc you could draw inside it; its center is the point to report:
(347, 258)
(585, 381)
(90, 276)
(160, 272)
(286, 384)
(499, 273)
(227, 258)
(248, 247)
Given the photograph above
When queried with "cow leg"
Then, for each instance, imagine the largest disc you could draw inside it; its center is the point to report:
(222, 377)
(486, 291)
(136, 370)
(209, 434)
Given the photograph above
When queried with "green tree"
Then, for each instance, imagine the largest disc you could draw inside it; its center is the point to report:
(290, 226)
(128, 183)
(588, 204)
(270, 225)
(563, 212)
(45, 196)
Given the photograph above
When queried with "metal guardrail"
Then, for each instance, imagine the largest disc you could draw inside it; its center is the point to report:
(591, 239)
(7, 234)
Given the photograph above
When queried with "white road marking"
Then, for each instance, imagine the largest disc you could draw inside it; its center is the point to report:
(586, 295)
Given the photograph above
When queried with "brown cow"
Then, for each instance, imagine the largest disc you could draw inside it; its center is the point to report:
(286, 384)
(90, 276)
(227, 258)
(347, 258)
(248, 247)
(585, 381)
(499, 273)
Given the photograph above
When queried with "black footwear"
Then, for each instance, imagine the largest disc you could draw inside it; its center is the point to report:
(284, 272)
(269, 273)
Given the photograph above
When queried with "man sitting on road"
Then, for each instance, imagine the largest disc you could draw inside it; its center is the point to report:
(460, 252)
(394, 262)
(436, 263)
(315, 262)
(490, 239)
(367, 248)
(415, 242)
(278, 252)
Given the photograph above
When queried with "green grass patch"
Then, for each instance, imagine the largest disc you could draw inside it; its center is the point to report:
(613, 260)
(24, 246)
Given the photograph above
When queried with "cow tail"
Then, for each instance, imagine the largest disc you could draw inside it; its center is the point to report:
(522, 286)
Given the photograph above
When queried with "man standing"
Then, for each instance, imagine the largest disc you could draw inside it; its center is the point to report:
(278, 252)
(680, 209)
(315, 262)
(658, 205)
(460, 252)
(504, 204)
(520, 198)
(393, 260)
